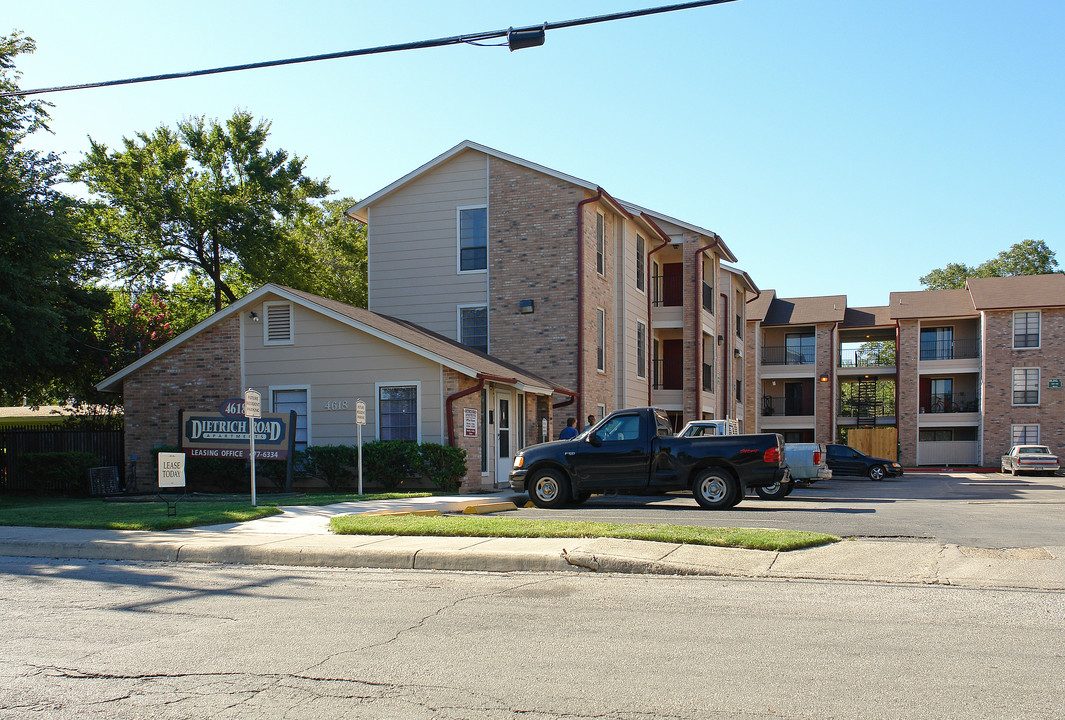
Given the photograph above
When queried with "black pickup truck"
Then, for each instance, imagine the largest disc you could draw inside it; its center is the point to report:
(635, 451)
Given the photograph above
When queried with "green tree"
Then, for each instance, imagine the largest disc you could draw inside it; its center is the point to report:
(333, 253)
(204, 197)
(46, 297)
(1028, 257)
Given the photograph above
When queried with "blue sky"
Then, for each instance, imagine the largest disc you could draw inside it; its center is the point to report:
(838, 146)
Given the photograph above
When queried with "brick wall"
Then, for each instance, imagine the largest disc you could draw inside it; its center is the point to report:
(532, 229)
(199, 374)
(999, 359)
(908, 403)
(455, 382)
(824, 392)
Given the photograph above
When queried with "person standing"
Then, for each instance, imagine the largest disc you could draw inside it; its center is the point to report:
(570, 431)
(591, 421)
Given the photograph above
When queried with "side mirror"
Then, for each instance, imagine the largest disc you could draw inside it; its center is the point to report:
(595, 440)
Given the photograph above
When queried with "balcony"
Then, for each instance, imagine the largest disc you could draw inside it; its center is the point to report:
(668, 374)
(785, 355)
(786, 407)
(668, 290)
(960, 349)
(867, 409)
(949, 402)
(867, 357)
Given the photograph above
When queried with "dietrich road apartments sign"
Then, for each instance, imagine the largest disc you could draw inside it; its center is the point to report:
(224, 434)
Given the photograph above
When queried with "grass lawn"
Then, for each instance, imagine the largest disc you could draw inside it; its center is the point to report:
(199, 510)
(484, 526)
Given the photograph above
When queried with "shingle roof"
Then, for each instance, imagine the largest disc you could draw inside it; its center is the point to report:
(931, 304)
(1020, 291)
(806, 311)
(399, 332)
(867, 317)
(757, 308)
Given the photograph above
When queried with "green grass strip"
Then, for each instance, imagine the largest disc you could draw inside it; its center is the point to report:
(483, 526)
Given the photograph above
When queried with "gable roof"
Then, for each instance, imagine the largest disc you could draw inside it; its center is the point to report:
(806, 311)
(358, 210)
(860, 317)
(930, 304)
(400, 333)
(759, 306)
(1018, 291)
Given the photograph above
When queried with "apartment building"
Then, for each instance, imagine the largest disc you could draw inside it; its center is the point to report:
(954, 376)
(624, 305)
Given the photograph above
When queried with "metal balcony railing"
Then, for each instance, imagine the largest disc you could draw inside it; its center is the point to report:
(882, 357)
(783, 355)
(950, 349)
(950, 402)
(668, 374)
(779, 405)
(668, 290)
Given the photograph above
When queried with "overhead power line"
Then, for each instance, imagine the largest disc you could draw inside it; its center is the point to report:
(517, 38)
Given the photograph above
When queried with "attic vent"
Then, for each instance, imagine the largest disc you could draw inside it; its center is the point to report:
(278, 326)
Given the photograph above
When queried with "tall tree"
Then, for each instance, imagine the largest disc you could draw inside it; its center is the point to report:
(1028, 257)
(333, 253)
(202, 197)
(46, 298)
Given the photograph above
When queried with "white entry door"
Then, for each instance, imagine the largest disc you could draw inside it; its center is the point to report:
(504, 438)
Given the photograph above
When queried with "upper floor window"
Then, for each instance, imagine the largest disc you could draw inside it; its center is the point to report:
(1025, 386)
(937, 343)
(277, 330)
(1026, 329)
(473, 239)
(641, 259)
(473, 327)
(600, 339)
(641, 350)
(800, 349)
(600, 244)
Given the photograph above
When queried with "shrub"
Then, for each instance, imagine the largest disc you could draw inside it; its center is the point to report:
(60, 471)
(389, 461)
(205, 474)
(336, 464)
(444, 465)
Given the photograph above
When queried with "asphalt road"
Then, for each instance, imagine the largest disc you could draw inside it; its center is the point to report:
(138, 640)
(973, 509)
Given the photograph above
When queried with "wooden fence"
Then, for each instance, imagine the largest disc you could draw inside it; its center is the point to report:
(878, 442)
(108, 445)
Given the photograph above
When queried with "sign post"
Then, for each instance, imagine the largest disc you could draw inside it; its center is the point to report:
(253, 410)
(360, 420)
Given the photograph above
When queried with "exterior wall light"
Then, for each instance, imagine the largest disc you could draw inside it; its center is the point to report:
(823, 378)
(254, 316)
(525, 307)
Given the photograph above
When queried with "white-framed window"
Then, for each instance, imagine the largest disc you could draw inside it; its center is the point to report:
(1024, 434)
(397, 411)
(600, 243)
(284, 398)
(473, 238)
(641, 263)
(641, 350)
(1026, 329)
(278, 326)
(600, 339)
(473, 326)
(1026, 386)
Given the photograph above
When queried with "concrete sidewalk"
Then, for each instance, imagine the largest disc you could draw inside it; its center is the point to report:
(300, 536)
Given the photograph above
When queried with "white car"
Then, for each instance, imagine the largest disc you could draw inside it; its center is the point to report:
(1030, 458)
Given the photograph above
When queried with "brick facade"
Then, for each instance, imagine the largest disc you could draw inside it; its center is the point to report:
(199, 374)
(999, 360)
(907, 352)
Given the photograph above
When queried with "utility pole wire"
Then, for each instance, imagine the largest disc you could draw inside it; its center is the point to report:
(473, 39)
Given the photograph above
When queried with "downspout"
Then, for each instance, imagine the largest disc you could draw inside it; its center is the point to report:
(564, 403)
(580, 296)
(697, 296)
(450, 402)
(832, 382)
(724, 360)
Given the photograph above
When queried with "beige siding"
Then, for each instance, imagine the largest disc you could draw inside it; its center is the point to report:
(413, 246)
(632, 305)
(338, 364)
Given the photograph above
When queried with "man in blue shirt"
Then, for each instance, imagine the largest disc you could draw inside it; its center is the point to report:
(570, 431)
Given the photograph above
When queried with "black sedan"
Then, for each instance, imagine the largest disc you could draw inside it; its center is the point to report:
(843, 460)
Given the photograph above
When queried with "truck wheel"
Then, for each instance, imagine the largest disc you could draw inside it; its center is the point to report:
(715, 489)
(549, 490)
(876, 472)
(776, 491)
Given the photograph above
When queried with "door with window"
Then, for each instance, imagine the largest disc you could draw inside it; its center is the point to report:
(504, 437)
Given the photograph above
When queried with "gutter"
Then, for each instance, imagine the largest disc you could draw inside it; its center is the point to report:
(697, 297)
(725, 358)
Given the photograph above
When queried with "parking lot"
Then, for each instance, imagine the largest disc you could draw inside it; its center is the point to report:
(975, 509)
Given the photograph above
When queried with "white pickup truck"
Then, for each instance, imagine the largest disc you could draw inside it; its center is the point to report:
(1030, 458)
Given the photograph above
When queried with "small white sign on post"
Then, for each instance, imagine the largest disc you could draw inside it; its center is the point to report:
(360, 420)
(253, 410)
(171, 470)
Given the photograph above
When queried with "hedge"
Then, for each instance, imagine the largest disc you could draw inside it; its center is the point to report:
(66, 472)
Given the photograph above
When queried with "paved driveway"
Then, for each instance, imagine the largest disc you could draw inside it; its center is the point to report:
(978, 509)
